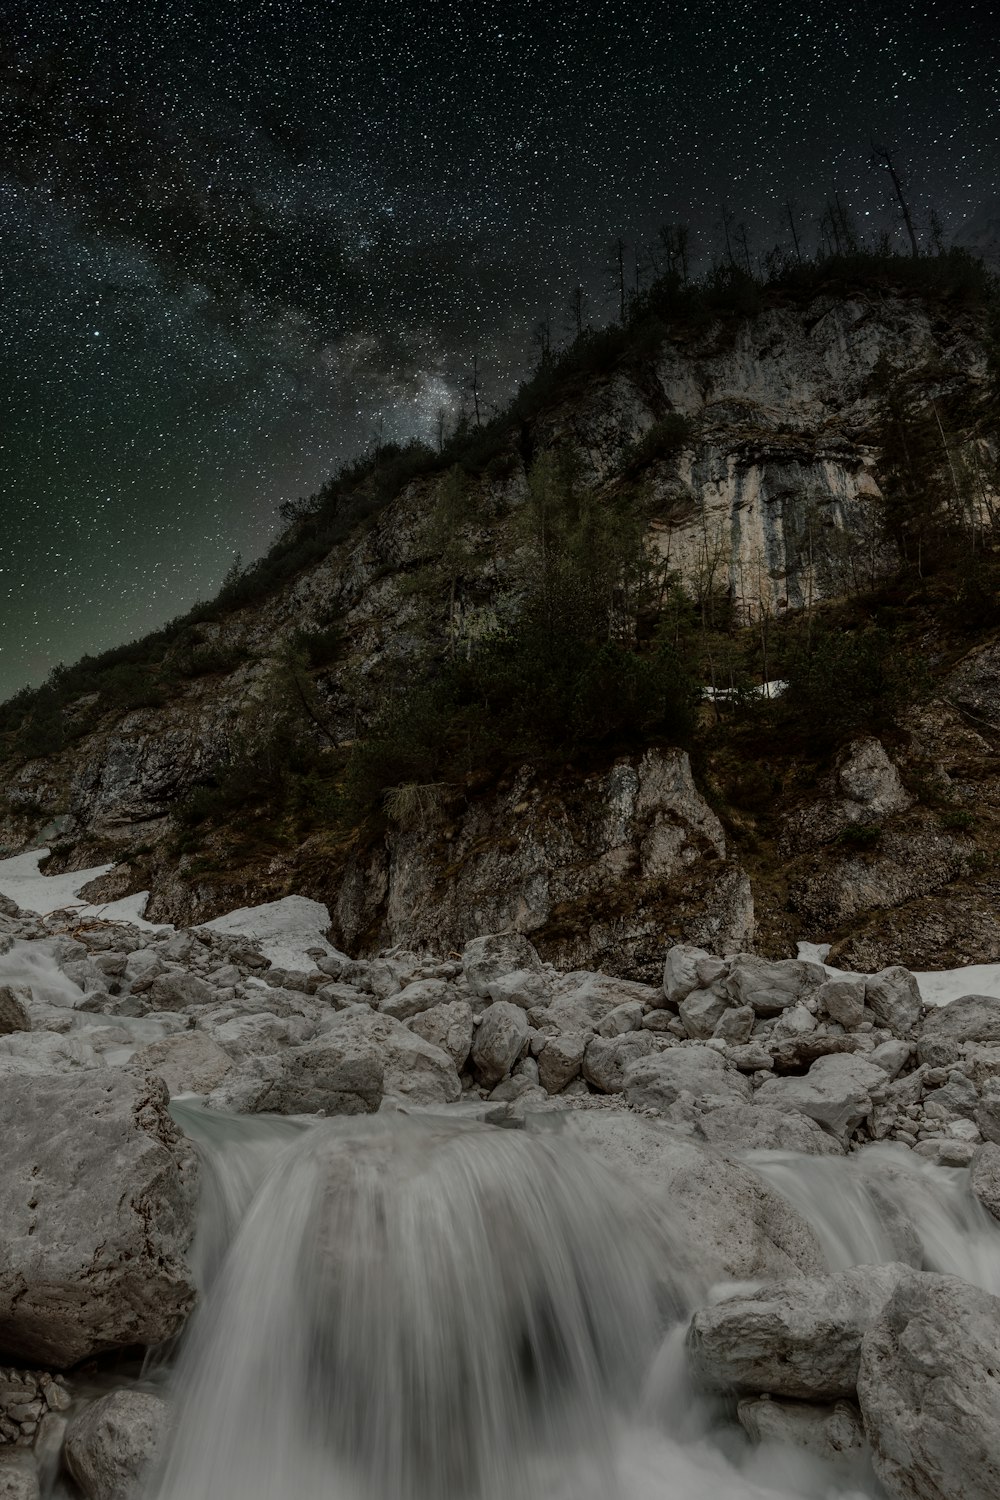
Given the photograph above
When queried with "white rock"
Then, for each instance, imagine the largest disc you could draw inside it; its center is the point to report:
(560, 1060)
(419, 995)
(838, 1092)
(523, 987)
(607, 1058)
(112, 1440)
(735, 1025)
(929, 1390)
(486, 959)
(947, 1030)
(893, 997)
(448, 1026)
(498, 1040)
(799, 1338)
(716, 1217)
(680, 971)
(843, 1000)
(623, 1018)
(657, 1081)
(188, 1063)
(97, 1198)
(771, 987)
(701, 1011)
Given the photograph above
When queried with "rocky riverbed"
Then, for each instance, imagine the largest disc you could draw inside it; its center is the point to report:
(732, 1098)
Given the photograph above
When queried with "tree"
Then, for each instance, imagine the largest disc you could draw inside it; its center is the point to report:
(476, 389)
(576, 311)
(881, 156)
(790, 209)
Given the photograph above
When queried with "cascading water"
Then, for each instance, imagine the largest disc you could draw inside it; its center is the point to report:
(431, 1310)
(418, 1309)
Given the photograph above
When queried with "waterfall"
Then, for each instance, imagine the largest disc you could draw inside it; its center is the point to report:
(430, 1309)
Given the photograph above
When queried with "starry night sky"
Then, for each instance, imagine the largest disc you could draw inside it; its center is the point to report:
(237, 237)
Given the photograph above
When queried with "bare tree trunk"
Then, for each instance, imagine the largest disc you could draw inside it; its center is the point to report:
(795, 237)
(879, 153)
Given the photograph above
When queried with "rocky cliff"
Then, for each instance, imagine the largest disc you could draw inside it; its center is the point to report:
(752, 443)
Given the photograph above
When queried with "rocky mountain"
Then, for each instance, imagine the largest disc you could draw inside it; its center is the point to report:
(744, 443)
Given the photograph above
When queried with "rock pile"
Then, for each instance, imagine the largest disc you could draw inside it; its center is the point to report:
(101, 1022)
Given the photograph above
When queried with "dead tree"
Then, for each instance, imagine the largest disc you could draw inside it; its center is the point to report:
(475, 389)
(790, 209)
(882, 157)
(727, 220)
(576, 308)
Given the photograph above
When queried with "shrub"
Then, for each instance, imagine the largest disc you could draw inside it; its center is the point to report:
(847, 681)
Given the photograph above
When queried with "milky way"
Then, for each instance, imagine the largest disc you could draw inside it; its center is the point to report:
(240, 239)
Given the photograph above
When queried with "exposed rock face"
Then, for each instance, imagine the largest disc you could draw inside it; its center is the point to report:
(929, 1389)
(96, 1213)
(594, 875)
(112, 1440)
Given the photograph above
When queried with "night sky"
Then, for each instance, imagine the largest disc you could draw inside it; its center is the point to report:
(238, 237)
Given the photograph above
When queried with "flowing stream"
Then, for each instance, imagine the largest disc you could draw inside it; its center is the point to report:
(422, 1309)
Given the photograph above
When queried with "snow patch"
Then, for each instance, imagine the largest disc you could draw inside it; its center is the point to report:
(285, 930)
(22, 881)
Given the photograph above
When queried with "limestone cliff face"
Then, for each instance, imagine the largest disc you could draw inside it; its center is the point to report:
(771, 496)
(595, 870)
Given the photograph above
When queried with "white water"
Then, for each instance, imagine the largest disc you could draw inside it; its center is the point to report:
(398, 1309)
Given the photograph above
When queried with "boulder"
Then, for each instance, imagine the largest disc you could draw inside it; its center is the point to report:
(607, 1058)
(420, 995)
(657, 1081)
(112, 1440)
(701, 1012)
(771, 987)
(487, 959)
(755, 1127)
(623, 1018)
(987, 1113)
(29, 1053)
(735, 1025)
(681, 971)
(523, 987)
(498, 1041)
(448, 1026)
(188, 1063)
(829, 1432)
(717, 1218)
(560, 1060)
(800, 1338)
(972, 1018)
(929, 1390)
(13, 1014)
(838, 1092)
(97, 1202)
(893, 998)
(984, 1177)
(178, 991)
(843, 1000)
(359, 1058)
